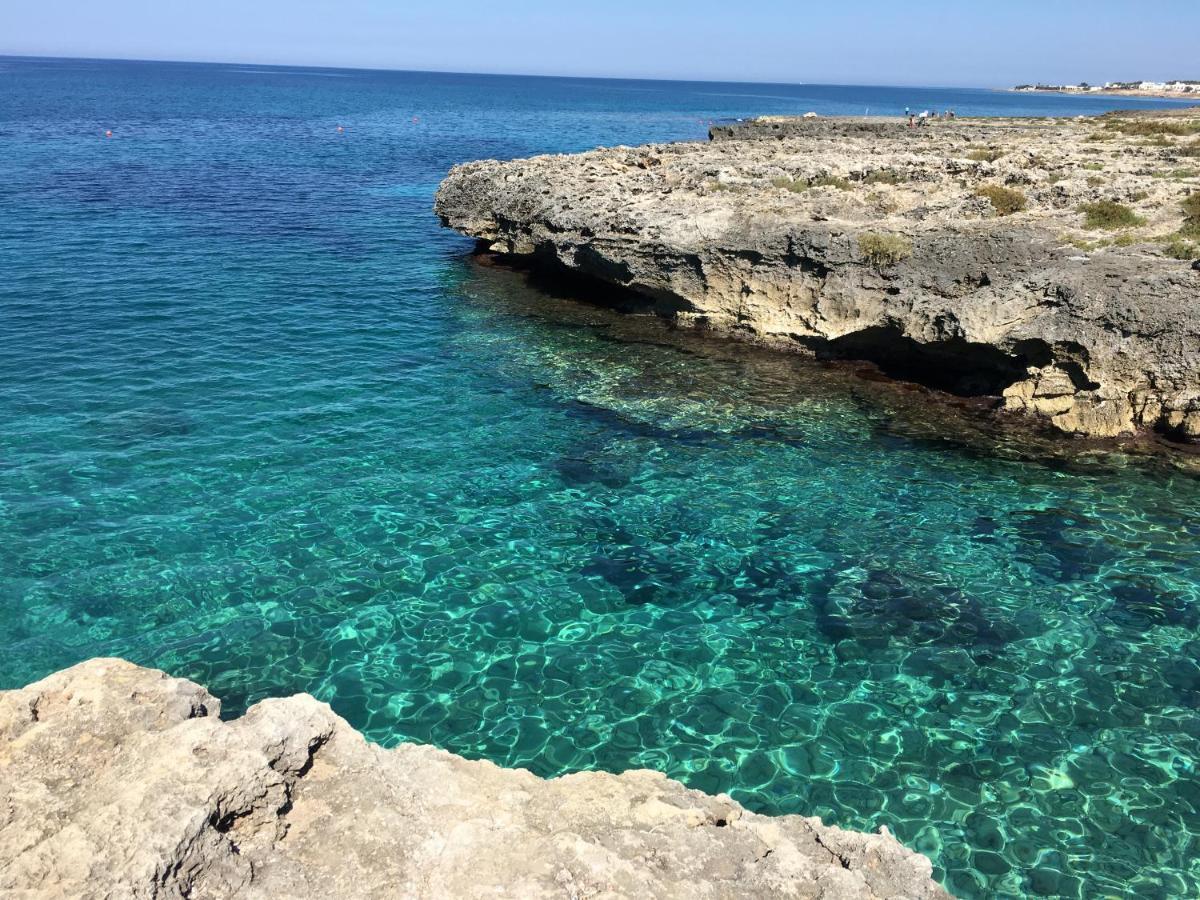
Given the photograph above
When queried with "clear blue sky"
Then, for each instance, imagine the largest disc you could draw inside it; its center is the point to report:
(864, 42)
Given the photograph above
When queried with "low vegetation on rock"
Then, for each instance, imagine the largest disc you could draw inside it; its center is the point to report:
(718, 185)
(1150, 127)
(1178, 248)
(1109, 216)
(1191, 215)
(1186, 243)
(795, 185)
(834, 181)
(800, 185)
(1005, 201)
(985, 155)
(883, 250)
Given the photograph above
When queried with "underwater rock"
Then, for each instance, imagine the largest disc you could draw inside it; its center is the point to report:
(661, 577)
(875, 241)
(577, 471)
(1066, 538)
(1139, 601)
(119, 781)
(877, 607)
(639, 575)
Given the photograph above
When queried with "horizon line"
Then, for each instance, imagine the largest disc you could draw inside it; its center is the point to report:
(217, 62)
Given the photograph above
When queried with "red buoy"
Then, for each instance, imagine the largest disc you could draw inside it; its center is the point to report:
(108, 133)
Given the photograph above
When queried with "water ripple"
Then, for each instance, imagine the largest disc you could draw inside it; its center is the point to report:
(264, 428)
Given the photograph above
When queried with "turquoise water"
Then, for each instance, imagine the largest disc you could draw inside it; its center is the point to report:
(265, 426)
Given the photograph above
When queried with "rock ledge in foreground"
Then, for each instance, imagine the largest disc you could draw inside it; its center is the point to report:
(119, 781)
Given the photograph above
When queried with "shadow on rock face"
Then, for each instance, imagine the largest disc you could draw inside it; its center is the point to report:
(954, 366)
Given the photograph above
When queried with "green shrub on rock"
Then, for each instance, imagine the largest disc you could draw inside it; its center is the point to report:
(885, 176)
(985, 155)
(800, 185)
(1191, 216)
(883, 250)
(795, 185)
(841, 184)
(1004, 200)
(1178, 248)
(1151, 127)
(1109, 215)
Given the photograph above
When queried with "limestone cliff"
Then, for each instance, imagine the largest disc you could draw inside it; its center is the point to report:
(1045, 263)
(120, 782)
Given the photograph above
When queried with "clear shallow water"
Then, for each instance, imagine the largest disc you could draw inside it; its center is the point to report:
(262, 425)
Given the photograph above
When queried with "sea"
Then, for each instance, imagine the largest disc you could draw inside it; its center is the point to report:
(266, 425)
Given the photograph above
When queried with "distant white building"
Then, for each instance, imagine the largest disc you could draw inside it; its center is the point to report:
(1158, 87)
(1149, 87)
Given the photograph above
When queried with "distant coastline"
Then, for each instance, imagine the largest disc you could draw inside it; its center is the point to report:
(1168, 90)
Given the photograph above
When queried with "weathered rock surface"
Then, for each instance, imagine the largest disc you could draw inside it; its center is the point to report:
(869, 239)
(119, 782)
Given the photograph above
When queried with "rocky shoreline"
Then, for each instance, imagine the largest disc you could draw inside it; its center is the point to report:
(1048, 265)
(1161, 94)
(119, 781)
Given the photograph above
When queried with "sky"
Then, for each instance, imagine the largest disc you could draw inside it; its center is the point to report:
(918, 42)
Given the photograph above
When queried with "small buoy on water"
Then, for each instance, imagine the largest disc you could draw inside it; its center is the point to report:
(340, 129)
(416, 119)
(108, 133)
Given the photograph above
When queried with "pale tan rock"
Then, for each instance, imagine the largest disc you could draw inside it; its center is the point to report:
(1096, 416)
(120, 782)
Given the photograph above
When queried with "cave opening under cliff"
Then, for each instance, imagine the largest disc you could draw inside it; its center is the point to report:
(545, 274)
(955, 366)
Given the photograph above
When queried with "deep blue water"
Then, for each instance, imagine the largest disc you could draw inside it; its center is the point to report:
(263, 424)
